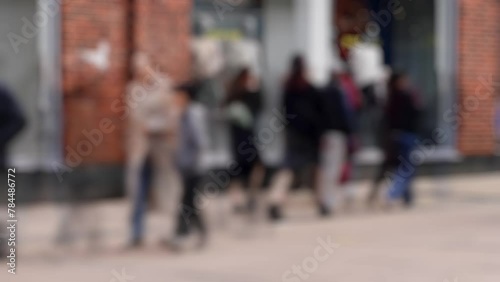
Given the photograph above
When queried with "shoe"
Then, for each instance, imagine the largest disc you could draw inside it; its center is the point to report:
(408, 198)
(324, 211)
(275, 213)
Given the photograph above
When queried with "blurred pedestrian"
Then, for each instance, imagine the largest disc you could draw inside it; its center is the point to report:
(152, 135)
(338, 126)
(12, 122)
(193, 145)
(303, 108)
(400, 130)
(243, 105)
(354, 103)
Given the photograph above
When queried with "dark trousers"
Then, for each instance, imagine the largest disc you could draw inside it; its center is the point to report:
(190, 217)
(391, 164)
(141, 201)
(401, 187)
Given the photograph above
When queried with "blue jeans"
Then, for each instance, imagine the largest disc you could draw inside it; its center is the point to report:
(405, 171)
(141, 201)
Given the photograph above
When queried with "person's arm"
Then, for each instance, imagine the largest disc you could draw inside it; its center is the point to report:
(414, 106)
(346, 112)
(11, 117)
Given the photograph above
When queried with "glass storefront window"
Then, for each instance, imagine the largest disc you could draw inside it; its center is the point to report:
(413, 51)
(233, 29)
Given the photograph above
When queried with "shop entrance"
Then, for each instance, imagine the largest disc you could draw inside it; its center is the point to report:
(407, 34)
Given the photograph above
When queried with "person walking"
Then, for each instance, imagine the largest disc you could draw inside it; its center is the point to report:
(12, 121)
(193, 146)
(338, 126)
(303, 108)
(400, 128)
(151, 143)
(243, 105)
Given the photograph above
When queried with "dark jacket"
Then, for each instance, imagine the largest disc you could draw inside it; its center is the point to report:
(304, 104)
(252, 100)
(11, 121)
(304, 129)
(336, 114)
(402, 112)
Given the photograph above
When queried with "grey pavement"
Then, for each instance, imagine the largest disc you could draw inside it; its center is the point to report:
(453, 234)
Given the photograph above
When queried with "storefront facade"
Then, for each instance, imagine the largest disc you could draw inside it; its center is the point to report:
(450, 49)
(29, 67)
(419, 38)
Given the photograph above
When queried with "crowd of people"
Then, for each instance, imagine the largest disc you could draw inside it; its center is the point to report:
(169, 137)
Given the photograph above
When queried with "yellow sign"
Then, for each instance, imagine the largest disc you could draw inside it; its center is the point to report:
(349, 40)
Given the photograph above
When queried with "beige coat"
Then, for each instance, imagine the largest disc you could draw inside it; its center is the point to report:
(152, 129)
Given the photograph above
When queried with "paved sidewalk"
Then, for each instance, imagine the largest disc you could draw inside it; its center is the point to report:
(453, 234)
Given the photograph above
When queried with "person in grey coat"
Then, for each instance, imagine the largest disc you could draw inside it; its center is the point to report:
(191, 164)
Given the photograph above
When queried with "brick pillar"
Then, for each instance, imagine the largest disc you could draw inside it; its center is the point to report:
(88, 92)
(93, 98)
(479, 63)
(163, 30)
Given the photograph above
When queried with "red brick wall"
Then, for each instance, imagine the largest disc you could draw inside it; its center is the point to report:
(160, 28)
(163, 30)
(479, 59)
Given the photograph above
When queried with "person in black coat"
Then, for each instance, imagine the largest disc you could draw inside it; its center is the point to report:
(11, 122)
(303, 104)
(304, 127)
(242, 93)
(243, 105)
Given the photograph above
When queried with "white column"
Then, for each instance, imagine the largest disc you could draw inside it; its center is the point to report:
(446, 18)
(49, 92)
(314, 36)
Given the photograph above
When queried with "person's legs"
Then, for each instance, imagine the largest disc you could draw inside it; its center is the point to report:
(408, 196)
(137, 179)
(255, 184)
(197, 220)
(167, 183)
(279, 187)
(188, 211)
(332, 160)
(374, 192)
(406, 169)
(140, 201)
(190, 217)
